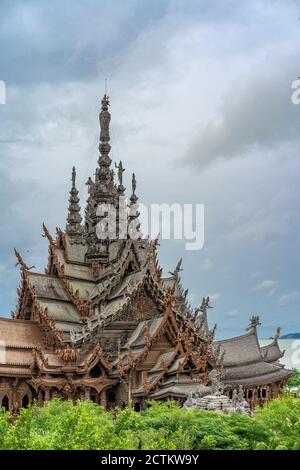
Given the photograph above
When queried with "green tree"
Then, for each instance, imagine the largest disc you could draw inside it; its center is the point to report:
(162, 426)
(294, 380)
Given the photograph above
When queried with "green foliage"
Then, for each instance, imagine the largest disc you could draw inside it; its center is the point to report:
(294, 380)
(4, 426)
(162, 426)
(282, 419)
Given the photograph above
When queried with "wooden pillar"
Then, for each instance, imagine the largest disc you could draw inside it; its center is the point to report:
(47, 395)
(40, 397)
(103, 398)
(86, 393)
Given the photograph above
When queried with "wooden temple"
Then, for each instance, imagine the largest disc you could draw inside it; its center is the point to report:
(102, 323)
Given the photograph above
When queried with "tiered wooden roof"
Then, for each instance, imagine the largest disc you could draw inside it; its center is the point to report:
(247, 363)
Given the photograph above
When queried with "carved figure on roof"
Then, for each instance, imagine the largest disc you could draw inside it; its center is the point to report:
(277, 333)
(120, 172)
(254, 322)
(104, 119)
(177, 270)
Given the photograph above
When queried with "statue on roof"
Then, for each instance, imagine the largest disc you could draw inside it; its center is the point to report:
(203, 307)
(254, 322)
(177, 269)
(277, 333)
(120, 172)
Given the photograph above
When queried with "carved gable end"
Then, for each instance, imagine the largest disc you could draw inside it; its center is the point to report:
(142, 308)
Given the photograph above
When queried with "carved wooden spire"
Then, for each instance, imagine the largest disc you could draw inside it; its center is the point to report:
(74, 228)
(133, 214)
(103, 194)
(21, 262)
(104, 146)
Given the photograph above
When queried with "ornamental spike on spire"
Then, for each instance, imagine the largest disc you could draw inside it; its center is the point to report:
(74, 228)
(104, 145)
(133, 215)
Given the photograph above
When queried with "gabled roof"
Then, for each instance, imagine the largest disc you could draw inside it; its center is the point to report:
(244, 348)
(245, 364)
(272, 352)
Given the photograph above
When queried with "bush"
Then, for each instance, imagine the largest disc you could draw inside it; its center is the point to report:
(162, 426)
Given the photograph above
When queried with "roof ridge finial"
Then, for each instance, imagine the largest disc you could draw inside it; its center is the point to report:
(133, 214)
(21, 262)
(277, 334)
(254, 322)
(74, 177)
(104, 120)
(177, 270)
(74, 228)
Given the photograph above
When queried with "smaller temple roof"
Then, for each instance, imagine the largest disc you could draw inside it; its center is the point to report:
(244, 348)
(178, 387)
(272, 352)
(245, 362)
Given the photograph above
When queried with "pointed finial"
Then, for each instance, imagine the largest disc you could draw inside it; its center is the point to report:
(73, 177)
(133, 215)
(74, 228)
(277, 333)
(104, 146)
(47, 234)
(105, 102)
(177, 269)
(21, 262)
(133, 182)
(254, 322)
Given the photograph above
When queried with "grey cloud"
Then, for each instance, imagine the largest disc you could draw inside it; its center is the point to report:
(255, 112)
(171, 67)
(46, 41)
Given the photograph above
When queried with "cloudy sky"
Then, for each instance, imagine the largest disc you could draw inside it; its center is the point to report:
(201, 111)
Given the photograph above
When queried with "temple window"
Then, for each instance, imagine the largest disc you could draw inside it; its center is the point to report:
(137, 407)
(264, 393)
(96, 371)
(5, 403)
(111, 396)
(94, 397)
(250, 394)
(25, 401)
